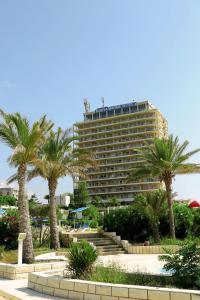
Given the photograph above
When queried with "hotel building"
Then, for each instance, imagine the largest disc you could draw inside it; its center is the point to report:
(113, 133)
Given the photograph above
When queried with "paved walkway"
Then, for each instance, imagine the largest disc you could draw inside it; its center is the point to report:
(17, 290)
(145, 263)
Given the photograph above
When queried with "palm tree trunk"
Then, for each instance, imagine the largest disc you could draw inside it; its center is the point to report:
(24, 218)
(168, 185)
(54, 234)
(155, 231)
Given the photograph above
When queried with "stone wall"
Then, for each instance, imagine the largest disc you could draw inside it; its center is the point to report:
(51, 284)
(131, 249)
(14, 271)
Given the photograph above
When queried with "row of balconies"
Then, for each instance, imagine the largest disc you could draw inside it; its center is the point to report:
(111, 169)
(119, 127)
(120, 162)
(116, 155)
(119, 190)
(118, 183)
(118, 148)
(130, 140)
(117, 135)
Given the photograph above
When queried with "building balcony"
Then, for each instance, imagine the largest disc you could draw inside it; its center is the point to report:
(123, 184)
(118, 136)
(121, 127)
(123, 192)
(120, 143)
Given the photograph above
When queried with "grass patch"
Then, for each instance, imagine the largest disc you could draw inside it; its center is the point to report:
(168, 241)
(113, 274)
(10, 256)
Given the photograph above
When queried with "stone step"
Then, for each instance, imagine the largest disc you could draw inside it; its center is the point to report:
(99, 239)
(111, 249)
(110, 242)
(109, 246)
(102, 243)
(112, 253)
(87, 235)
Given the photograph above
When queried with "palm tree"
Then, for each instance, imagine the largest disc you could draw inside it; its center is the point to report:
(152, 205)
(24, 140)
(165, 159)
(57, 160)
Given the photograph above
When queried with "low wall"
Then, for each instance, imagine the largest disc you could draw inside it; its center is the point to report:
(137, 249)
(51, 284)
(131, 249)
(12, 271)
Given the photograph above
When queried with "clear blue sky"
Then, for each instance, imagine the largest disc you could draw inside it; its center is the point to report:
(55, 53)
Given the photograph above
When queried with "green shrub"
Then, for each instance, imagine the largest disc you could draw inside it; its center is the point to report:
(9, 230)
(196, 222)
(128, 223)
(92, 216)
(183, 220)
(184, 265)
(81, 258)
(8, 200)
(132, 225)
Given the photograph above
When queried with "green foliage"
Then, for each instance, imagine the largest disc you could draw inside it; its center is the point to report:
(81, 258)
(114, 201)
(184, 219)
(163, 160)
(114, 274)
(81, 195)
(92, 214)
(128, 223)
(195, 230)
(8, 200)
(134, 224)
(110, 274)
(2, 248)
(152, 205)
(9, 230)
(97, 201)
(39, 210)
(184, 265)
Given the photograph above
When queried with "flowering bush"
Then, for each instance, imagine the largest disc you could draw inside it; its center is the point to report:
(9, 229)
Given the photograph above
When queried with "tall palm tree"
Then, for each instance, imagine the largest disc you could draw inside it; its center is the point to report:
(57, 160)
(152, 205)
(24, 140)
(165, 159)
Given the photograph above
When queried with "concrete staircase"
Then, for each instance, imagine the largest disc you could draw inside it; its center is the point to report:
(104, 245)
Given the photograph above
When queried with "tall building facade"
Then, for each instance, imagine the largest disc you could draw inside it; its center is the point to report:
(114, 133)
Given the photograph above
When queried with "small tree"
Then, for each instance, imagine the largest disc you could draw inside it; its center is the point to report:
(81, 195)
(165, 159)
(152, 206)
(184, 265)
(81, 257)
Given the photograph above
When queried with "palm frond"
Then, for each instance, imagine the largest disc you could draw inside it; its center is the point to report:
(12, 178)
